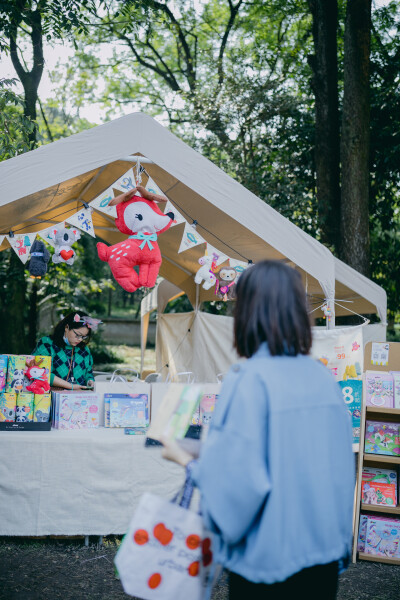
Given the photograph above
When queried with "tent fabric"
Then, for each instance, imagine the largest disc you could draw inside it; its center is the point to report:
(198, 342)
(49, 184)
(207, 349)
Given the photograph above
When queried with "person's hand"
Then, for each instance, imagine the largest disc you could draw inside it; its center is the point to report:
(174, 452)
(90, 383)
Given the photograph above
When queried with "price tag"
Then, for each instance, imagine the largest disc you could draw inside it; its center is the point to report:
(380, 354)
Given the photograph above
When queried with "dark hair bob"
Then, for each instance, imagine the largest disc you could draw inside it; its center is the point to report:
(271, 307)
(59, 329)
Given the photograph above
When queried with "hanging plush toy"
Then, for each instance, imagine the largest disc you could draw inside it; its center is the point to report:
(142, 220)
(39, 257)
(205, 273)
(226, 284)
(64, 239)
(38, 376)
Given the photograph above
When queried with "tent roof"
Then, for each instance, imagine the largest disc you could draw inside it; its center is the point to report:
(50, 183)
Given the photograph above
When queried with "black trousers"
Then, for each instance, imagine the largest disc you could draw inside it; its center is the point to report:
(315, 583)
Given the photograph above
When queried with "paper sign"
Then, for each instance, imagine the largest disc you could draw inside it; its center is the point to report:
(101, 203)
(190, 238)
(178, 218)
(380, 354)
(211, 250)
(126, 182)
(21, 244)
(83, 220)
(48, 234)
(152, 187)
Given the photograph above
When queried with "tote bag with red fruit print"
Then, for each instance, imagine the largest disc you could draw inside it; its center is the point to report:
(166, 554)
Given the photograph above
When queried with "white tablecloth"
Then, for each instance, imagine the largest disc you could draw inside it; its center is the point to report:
(77, 482)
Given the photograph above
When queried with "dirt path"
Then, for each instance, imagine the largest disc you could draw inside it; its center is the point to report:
(63, 569)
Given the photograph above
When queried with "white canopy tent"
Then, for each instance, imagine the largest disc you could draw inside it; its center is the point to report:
(46, 185)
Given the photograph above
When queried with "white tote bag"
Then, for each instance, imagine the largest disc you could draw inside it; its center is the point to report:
(166, 554)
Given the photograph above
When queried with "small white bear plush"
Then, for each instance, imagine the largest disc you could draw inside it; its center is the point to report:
(64, 239)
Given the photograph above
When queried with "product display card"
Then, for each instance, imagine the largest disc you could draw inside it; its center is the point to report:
(75, 410)
(127, 410)
(379, 389)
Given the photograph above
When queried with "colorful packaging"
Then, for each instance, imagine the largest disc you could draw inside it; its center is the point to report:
(24, 409)
(3, 371)
(352, 396)
(383, 537)
(106, 411)
(382, 438)
(207, 407)
(362, 530)
(379, 389)
(8, 402)
(75, 410)
(396, 388)
(128, 410)
(382, 476)
(41, 408)
(378, 492)
(15, 373)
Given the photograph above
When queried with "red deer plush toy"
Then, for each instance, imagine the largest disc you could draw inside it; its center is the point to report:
(142, 220)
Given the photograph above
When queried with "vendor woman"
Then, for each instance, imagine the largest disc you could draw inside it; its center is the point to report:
(72, 362)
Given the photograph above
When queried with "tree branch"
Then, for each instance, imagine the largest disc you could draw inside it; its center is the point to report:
(234, 9)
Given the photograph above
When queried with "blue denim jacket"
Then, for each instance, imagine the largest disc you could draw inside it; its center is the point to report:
(276, 473)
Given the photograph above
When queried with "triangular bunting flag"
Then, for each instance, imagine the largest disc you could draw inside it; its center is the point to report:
(238, 265)
(48, 234)
(2, 239)
(221, 257)
(151, 186)
(83, 220)
(126, 182)
(101, 203)
(190, 238)
(178, 219)
(21, 244)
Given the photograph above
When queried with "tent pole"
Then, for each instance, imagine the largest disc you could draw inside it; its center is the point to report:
(330, 323)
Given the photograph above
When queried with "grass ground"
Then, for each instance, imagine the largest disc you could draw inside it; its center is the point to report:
(128, 358)
(51, 569)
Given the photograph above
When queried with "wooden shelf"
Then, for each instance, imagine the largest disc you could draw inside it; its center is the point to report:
(382, 559)
(382, 458)
(390, 510)
(375, 410)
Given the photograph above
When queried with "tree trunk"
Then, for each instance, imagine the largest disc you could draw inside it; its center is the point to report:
(16, 284)
(327, 141)
(33, 315)
(354, 247)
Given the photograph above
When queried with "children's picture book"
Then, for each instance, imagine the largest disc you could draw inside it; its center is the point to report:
(127, 410)
(24, 408)
(383, 537)
(15, 373)
(75, 410)
(207, 407)
(381, 476)
(3, 371)
(41, 408)
(396, 388)
(8, 403)
(379, 389)
(175, 412)
(352, 397)
(382, 438)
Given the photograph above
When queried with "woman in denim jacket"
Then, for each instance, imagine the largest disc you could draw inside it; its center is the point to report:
(276, 473)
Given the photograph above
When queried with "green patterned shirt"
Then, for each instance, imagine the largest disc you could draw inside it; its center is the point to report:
(79, 364)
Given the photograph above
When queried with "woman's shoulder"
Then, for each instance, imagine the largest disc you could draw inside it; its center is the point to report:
(45, 341)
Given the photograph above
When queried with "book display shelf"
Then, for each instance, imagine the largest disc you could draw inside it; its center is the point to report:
(384, 540)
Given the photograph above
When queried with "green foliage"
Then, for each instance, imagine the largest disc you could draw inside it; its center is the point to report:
(14, 127)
